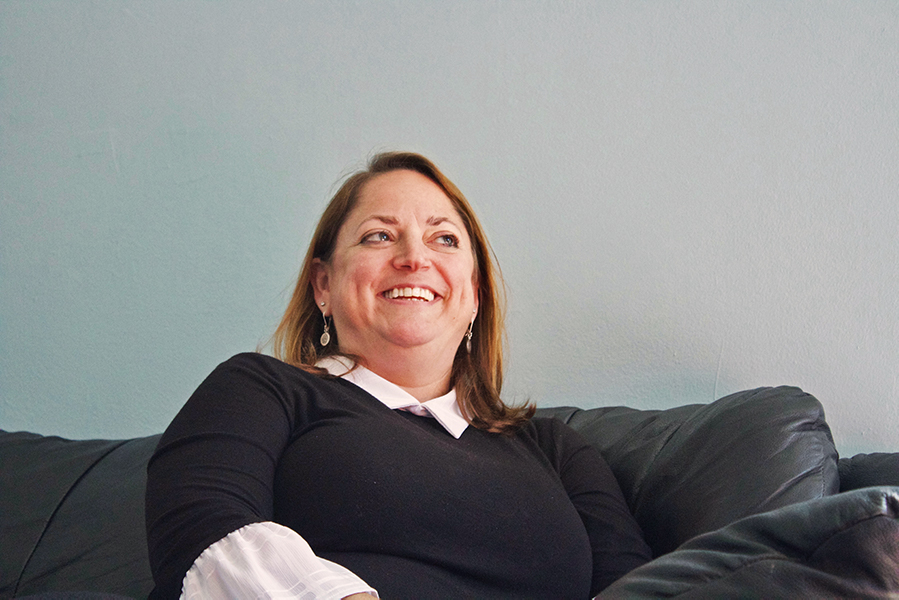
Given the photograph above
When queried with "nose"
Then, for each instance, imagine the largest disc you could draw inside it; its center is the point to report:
(411, 255)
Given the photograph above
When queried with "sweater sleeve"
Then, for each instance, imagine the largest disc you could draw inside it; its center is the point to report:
(615, 537)
(213, 471)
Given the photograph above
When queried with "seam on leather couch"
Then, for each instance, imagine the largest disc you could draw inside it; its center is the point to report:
(670, 432)
(808, 557)
(52, 516)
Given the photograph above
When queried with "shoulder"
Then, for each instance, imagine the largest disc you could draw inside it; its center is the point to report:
(255, 364)
(558, 441)
(270, 376)
(252, 391)
(257, 361)
(251, 380)
(553, 430)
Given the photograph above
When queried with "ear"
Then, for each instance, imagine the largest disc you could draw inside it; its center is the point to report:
(321, 284)
(477, 296)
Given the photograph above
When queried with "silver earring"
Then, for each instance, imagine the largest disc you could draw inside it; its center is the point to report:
(326, 337)
(468, 336)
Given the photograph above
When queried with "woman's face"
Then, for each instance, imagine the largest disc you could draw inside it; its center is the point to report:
(402, 271)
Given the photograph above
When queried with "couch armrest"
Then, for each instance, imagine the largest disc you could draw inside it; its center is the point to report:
(693, 469)
(842, 546)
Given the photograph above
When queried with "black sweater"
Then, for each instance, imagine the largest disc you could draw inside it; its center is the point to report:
(387, 494)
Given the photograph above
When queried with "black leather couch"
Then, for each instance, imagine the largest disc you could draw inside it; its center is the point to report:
(744, 497)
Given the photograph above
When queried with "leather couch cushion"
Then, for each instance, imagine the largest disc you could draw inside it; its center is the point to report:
(693, 469)
(843, 546)
(41, 471)
(868, 470)
(76, 520)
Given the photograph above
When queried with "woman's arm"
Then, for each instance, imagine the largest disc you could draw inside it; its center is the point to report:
(615, 537)
(213, 471)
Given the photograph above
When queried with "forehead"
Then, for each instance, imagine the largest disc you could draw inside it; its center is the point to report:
(403, 194)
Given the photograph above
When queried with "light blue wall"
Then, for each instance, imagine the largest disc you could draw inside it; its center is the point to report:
(687, 198)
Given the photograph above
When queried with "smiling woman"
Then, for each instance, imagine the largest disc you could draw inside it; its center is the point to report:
(373, 453)
(401, 283)
(477, 375)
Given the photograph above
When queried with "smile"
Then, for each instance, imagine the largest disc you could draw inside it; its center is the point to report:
(413, 293)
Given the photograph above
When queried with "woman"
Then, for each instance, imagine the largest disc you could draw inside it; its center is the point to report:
(372, 455)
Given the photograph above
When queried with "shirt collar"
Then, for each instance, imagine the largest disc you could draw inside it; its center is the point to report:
(443, 408)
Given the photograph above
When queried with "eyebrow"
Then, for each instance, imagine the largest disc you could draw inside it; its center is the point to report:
(383, 219)
(434, 221)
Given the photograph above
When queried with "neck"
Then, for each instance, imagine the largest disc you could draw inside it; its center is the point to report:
(416, 372)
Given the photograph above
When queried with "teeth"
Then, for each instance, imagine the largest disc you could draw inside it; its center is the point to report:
(409, 292)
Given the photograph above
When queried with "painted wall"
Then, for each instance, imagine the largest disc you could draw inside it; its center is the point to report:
(687, 198)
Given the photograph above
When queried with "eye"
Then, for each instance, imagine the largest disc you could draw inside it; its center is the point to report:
(448, 240)
(376, 237)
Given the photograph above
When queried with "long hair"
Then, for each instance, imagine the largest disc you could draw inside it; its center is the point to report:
(477, 376)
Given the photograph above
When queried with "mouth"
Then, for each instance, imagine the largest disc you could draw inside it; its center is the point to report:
(410, 293)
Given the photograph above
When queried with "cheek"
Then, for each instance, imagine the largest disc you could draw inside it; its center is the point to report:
(354, 277)
(466, 280)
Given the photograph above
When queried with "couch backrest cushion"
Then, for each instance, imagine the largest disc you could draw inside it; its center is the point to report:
(72, 515)
(867, 470)
(36, 474)
(693, 469)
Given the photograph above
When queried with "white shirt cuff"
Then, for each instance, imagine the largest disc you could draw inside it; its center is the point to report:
(267, 560)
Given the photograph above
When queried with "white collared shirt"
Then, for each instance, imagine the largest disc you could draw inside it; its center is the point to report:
(268, 560)
(443, 408)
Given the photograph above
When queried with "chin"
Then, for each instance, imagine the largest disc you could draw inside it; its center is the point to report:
(411, 336)
(410, 341)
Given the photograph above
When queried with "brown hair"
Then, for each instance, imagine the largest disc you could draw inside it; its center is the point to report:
(477, 376)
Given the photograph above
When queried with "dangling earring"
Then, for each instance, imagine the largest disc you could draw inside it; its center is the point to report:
(326, 337)
(468, 336)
